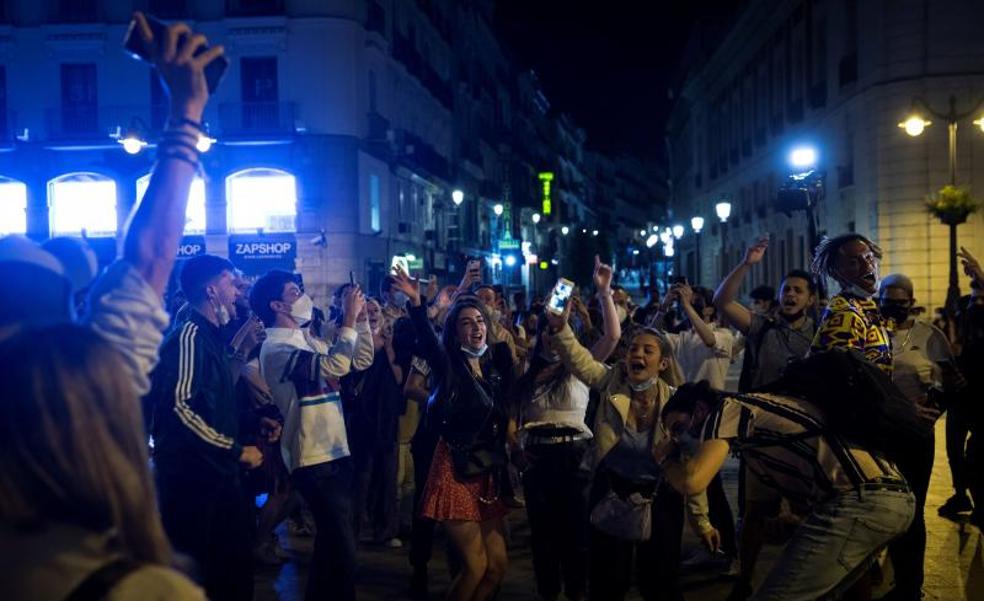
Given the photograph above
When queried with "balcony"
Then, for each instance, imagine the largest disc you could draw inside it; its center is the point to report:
(256, 118)
(420, 154)
(80, 122)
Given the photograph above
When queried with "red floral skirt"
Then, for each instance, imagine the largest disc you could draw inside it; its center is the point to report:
(446, 497)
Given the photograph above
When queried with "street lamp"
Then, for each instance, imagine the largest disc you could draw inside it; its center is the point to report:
(565, 230)
(457, 197)
(594, 232)
(914, 125)
(497, 209)
(723, 211)
(697, 224)
(652, 240)
(132, 144)
(535, 218)
(642, 233)
(678, 231)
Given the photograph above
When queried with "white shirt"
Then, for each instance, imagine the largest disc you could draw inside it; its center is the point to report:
(916, 352)
(701, 362)
(314, 429)
(561, 404)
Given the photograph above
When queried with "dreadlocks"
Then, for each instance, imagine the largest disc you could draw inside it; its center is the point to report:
(825, 256)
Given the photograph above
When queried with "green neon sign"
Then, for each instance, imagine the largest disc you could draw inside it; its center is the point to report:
(545, 178)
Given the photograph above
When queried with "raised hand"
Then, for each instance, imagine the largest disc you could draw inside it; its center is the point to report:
(684, 292)
(602, 275)
(755, 252)
(407, 285)
(556, 321)
(353, 302)
(432, 289)
(971, 266)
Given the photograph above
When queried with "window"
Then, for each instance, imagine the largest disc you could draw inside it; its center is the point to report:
(261, 199)
(13, 207)
(258, 83)
(78, 98)
(82, 203)
(374, 219)
(194, 213)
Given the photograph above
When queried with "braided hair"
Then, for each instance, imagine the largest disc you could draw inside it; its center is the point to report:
(826, 254)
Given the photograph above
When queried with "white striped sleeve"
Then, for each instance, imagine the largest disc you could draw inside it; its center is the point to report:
(186, 388)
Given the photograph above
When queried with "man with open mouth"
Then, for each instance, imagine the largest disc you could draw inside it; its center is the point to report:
(851, 319)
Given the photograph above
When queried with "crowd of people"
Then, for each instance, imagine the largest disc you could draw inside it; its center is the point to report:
(148, 407)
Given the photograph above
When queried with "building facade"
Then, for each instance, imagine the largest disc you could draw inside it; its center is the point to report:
(339, 133)
(838, 75)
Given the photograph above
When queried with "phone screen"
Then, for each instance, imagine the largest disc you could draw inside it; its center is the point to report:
(561, 294)
(352, 278)
(401, 261)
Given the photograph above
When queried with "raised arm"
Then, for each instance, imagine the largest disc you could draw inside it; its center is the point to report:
(430, 346)
(604, 346)
(686, 295)
(576, 358)
(725, 297)
(157, 222)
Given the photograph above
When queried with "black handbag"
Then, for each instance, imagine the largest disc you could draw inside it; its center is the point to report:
(471, 431)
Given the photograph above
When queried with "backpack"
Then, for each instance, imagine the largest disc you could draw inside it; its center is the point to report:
(860, 402)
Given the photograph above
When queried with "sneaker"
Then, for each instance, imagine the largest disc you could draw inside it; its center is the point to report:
(955, 505)
(394, 543)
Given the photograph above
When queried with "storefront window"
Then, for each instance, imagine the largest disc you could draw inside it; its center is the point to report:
(82, 203)
(261, 199)
(13, 207)
(195, 213)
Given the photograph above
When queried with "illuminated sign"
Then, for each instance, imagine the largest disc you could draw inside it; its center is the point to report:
(545, 178)
(544, 265)
(191, 246)
(258, 254)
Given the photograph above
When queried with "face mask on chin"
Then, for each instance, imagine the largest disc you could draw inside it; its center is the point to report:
(643, 386)
(221, 312)
(475, 353)
(856, 290)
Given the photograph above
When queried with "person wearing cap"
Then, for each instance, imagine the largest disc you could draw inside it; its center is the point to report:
(919, 350)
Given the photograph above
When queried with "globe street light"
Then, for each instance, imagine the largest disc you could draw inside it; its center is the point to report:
(535, 218)
(697, 224)
(132, 144)
(457, 197)
(723, 210)
(678, 231)
(914, 126)
(497, 209)
(803, 158)
(565, 230)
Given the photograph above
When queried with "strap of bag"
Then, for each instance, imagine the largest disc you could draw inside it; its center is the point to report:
(101, 581)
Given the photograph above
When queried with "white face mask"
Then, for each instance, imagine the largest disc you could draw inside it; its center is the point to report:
(858, 291)
(641, 386)
(474, 352)
(302, 311)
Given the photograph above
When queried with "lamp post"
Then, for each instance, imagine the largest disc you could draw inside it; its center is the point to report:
(914, 125)
(697, 224)
(723, 210)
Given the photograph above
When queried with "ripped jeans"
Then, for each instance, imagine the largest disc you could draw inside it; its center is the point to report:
(833, 546)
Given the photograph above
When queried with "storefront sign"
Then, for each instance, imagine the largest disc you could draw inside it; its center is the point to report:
(257, 254)
(191, 246)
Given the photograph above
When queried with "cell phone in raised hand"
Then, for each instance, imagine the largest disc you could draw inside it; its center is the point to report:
(133, 44)
(560, 295)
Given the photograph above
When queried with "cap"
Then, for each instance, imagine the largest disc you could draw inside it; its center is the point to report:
(896, 280)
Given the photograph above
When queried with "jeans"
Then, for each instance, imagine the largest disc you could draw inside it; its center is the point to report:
(374, 493)
(909, 550)
(557, 506)
(327, 489)
(211, 524)
(832, 546)
(657, 560)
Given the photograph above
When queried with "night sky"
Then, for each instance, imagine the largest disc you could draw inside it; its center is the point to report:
(608, 63)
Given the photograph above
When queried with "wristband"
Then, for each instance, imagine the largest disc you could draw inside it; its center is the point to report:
(186, 121)
(177, 155)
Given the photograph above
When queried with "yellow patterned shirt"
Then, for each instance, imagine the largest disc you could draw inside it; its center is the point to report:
(851, 322)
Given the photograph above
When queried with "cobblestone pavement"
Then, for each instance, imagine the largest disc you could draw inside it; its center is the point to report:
(954, 559)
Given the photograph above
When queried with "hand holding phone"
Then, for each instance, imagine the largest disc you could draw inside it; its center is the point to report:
(560, 295)
(190, 68)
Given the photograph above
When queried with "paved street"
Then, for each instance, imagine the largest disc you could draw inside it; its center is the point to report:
(954, 560)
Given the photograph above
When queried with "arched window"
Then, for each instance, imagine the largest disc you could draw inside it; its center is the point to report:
(194, 213)
(80, 202)
(261, 199)
(13, 207)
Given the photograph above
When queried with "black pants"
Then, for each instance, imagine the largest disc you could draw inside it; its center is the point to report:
(657, 560)
(374, 492)
(908, 551)
(720, 515)
(421, 529)
(557, 506)
(327, 489)
(210, 523)
(957, 427)
(975, 465)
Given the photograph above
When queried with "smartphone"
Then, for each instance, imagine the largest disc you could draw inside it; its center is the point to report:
(401, 262)
(352, 277)
(559, 296)
(133, 44)
(682, 279)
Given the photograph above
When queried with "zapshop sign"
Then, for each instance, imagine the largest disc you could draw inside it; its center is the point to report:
(191, 246)
(257, 254)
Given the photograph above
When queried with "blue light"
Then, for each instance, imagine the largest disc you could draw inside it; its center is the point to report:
(803, 158)
(510, 260)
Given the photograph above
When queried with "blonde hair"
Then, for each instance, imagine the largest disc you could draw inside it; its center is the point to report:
(72, 443)
(672, 375)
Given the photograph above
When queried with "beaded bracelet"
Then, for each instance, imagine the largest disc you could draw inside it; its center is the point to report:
(178, 143)
(186, 121)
